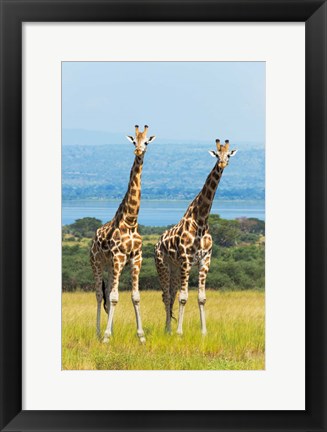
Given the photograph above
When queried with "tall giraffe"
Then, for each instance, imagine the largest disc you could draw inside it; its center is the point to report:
(118, 242)
(189, 243)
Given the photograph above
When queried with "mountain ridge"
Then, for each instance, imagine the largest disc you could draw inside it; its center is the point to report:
(170, 172)
(72, 137)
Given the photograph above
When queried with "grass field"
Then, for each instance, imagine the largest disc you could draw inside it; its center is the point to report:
(235, 340)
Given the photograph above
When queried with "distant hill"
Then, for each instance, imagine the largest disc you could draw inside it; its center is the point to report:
(94, 138)
(175, 171)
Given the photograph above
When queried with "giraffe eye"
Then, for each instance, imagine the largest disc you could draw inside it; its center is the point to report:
(146, 143)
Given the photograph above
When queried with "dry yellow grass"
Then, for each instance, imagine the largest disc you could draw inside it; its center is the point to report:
(235, 340)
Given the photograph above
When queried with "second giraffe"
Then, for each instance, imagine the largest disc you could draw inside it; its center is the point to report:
(189, 243)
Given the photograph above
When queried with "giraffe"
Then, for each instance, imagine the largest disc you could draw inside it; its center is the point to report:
(189, 243)
(118, 242)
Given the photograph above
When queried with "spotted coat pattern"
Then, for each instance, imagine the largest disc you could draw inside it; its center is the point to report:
(188, 244)
(118, 243)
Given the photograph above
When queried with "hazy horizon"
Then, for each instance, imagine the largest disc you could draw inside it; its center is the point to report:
(186, 103)
(97, 137)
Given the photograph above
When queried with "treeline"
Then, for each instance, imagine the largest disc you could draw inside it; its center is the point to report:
(238, 257)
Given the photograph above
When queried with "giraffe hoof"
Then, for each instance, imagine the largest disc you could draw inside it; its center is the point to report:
(168, 329)
(105, 340)
(179, 333)
(142, 340)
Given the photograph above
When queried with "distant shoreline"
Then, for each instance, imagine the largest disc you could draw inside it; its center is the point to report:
(159, 212)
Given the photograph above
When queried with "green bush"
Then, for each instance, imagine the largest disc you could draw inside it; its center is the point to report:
(218, 280)
(84, 227)
(232, 267)
(143, 230)
(148, 251)
(248, 253)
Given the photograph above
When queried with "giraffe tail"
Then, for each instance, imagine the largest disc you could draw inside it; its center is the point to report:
(105, 306)
(172, 315)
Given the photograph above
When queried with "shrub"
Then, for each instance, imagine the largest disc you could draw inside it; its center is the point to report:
(84, 227)
(218, 280)
(232, 266)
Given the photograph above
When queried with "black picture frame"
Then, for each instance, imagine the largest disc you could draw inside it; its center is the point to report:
(13, 14)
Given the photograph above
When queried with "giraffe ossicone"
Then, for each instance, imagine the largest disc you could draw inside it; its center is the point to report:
(189, 243)
(118, 243)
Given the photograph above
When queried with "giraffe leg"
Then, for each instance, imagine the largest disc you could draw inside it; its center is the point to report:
(164, 278)
(118, 263)
(136, 263)
(175, 284)
(108, 289)
(183, 295)
(203, 271)
(97, 273)
(99, 297)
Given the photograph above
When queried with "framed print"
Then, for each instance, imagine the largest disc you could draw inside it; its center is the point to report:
(88, 345)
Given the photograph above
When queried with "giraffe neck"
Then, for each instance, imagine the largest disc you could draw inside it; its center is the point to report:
(130, 206)
(200, 207)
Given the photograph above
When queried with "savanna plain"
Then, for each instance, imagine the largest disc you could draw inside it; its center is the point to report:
(235, 308)
(235, 339)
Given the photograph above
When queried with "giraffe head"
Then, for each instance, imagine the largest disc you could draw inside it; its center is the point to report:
(140, 140)
(223, 153)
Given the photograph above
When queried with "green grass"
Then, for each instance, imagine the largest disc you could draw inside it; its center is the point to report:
(150, 239)
(235, 340)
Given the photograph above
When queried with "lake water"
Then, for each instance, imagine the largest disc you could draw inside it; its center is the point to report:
(158, 213)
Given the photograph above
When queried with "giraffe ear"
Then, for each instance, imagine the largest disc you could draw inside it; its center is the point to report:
(212, 153)
(233, 152)
(130, 138)
(152, 138)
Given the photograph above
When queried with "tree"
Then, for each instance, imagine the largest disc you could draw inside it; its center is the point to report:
(84, 227)
(252, 225)
(224, 232)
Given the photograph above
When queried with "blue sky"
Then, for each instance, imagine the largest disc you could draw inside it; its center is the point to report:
(178, 100)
